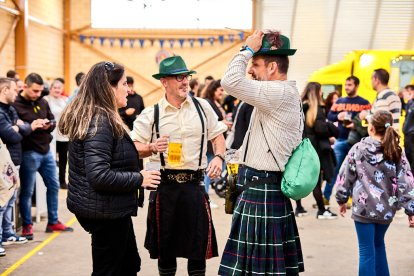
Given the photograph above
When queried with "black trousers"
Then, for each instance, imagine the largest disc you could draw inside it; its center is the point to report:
(62, 151)
(114, 248)
(409, 148)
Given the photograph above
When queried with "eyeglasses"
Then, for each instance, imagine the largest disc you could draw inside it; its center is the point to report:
(180, 78)
(109, 66)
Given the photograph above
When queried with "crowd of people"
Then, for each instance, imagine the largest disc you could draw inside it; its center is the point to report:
(102, 132)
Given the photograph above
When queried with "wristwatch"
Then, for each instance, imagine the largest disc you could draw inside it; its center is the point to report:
(221, 156)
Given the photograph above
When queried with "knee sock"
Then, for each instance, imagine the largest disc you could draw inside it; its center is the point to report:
(196, 267)
(167, 267)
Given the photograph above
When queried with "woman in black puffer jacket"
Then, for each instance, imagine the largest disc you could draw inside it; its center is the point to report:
(319, 130)
(104, 175)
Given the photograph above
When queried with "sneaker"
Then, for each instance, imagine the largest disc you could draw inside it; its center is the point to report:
(58, 227)
(28, 232)
(14, 240)
(327, 214)
(2, 252)
(301, 212)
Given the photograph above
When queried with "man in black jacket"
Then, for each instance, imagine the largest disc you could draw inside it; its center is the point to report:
(36, 156)
(12, 130)
(135, 105)
(408, 128)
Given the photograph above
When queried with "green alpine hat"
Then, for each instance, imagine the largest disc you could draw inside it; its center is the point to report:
(171, 66)
(268, 49)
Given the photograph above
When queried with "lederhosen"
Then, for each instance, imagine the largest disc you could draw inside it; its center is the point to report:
(179, 222)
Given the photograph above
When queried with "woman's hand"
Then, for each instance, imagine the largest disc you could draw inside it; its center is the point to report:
(151, 179)
(342, 209)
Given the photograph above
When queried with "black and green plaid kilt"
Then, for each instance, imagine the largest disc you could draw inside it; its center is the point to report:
(264, 238)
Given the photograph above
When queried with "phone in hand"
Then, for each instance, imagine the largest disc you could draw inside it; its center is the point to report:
(51, 122)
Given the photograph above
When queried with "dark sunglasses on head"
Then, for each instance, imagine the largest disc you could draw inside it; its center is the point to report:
(109, 66)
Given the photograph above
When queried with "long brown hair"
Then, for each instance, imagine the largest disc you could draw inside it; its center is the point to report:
(211, 90)
(390, 142)
(94, 99)
(311, 96)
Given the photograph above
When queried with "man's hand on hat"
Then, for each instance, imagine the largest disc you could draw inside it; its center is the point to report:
(254, 41)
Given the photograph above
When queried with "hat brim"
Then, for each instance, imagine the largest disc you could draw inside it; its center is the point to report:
(161, 75)
(282, 52)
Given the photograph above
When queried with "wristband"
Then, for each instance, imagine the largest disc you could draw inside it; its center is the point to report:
(250, 49)
(221, 156)
(245, 47)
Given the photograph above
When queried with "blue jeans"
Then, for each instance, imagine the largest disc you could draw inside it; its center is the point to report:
(341, 148)
(45, 164)
(372, 255)
(6, 221)
(207, 179)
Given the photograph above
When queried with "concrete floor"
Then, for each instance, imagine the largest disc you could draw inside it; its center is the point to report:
(329, 247)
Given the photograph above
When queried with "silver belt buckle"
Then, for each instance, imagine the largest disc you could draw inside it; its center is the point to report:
(254, 178)
(181, 178)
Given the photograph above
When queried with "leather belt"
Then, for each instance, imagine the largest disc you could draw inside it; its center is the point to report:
(181, 176)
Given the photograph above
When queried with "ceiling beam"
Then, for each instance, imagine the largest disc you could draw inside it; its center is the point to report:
(66, 44)
(375, 24)
(21, 39)
(333, 31)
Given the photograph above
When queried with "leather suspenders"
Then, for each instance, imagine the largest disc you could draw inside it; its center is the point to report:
(199, 109)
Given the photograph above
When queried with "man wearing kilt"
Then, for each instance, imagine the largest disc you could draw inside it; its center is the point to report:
(175, 132)
(264, 238)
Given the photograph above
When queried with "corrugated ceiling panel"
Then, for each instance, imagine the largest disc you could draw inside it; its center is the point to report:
(313, 26)
(277, 15)
(354, 25)
(394, 24)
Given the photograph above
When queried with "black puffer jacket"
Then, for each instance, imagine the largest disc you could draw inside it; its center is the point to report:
(12, 139)
(103, 174)
(319, 136)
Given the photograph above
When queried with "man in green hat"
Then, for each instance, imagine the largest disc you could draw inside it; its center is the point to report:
(264, 238)
(174, 134)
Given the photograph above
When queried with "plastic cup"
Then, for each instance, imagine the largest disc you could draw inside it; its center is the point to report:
(153, 166)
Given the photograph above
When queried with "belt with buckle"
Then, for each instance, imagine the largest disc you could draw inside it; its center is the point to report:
(181, 176)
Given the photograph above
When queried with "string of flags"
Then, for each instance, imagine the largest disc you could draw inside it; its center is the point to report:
(141, 42)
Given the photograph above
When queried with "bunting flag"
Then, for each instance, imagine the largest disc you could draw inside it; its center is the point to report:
(191, 42)
(221, 39)
(111, 41)
(142, 41)
(131, 42)
(171, 41)
(201, 40)
(101, 40)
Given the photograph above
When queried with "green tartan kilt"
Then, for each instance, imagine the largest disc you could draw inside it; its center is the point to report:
(264, 238)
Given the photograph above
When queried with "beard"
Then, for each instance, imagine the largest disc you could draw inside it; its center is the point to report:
(351, 93)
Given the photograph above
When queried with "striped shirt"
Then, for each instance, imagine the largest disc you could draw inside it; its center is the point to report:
(276, 106)
(389, 101)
